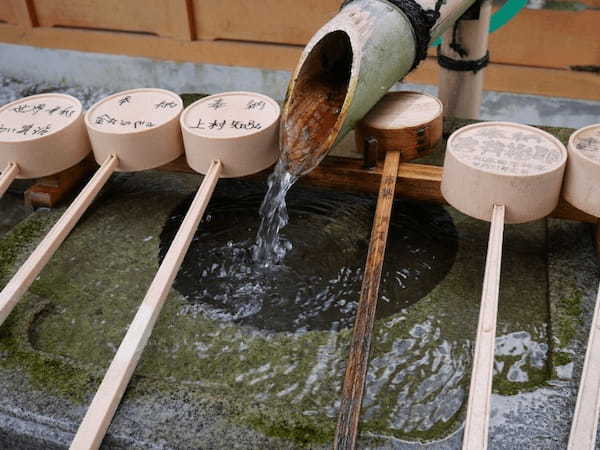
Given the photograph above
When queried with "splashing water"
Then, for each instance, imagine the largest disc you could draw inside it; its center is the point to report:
(271, 247)
(318, 284)
(307, 135)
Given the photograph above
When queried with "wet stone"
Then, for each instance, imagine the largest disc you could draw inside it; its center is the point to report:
(214, 380)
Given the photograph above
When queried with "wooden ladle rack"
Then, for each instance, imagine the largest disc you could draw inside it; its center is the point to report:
(416, 180)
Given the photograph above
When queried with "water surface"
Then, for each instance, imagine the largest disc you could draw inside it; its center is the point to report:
(317, 286)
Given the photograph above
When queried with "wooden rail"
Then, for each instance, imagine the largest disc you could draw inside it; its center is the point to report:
(534, 53)
(415, 181)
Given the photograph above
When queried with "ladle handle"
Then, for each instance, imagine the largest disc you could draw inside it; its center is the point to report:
(107, 398)
(9, 173)
(585, 419)
(358, 360)
(21, 281)
(480, 392)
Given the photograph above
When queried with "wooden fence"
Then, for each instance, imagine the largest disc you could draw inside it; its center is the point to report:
(554, 52)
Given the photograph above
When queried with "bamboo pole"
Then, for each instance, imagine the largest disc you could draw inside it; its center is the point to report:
(585, 420)
(480, 392)
(104, 405)
(379, 39)
(461, 91)
(20, 282)
(360, 346)
(9, 173)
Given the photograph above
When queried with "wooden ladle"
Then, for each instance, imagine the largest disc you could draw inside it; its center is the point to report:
(582, 190)
(499, 172)
(40, 135)
(226, 135)
(403, 126)
(129, 131)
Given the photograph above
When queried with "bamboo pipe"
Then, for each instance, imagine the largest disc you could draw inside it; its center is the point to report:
(467, 40)
(359, 54)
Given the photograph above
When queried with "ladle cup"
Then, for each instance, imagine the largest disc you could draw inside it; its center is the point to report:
(226, 135)
(404, 126)
(129, 131)
(40, 135)
(499, 172)
(582, 190)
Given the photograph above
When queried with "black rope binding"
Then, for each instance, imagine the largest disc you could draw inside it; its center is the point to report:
(463, 65)
(422, 21)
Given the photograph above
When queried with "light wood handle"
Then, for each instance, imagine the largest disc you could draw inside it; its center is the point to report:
(358, 360)
(21, 281)
(9, 173)
(107, 398)
(480, 393)
(585, 419)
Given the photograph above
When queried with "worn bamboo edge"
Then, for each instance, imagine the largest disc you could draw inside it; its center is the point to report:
(480, 391)
(585, 419)
(34, 264)
(9, 174)
(357, 365)
(109, 394)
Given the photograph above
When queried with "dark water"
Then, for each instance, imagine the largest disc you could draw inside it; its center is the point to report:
(317, 285)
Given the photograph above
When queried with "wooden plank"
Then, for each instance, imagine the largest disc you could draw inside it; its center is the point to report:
(534, 38)
(142, 16)
(49, 191)
(499, 77)
(574, 4)
(362, 332)
(523, 80)
(24, 13)
(415, 181)
(7, 14)
(277, 21)
(180, 19)
(547, 38)
(271, 56)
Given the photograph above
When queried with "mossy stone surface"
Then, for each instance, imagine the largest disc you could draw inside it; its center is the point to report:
(205, 383)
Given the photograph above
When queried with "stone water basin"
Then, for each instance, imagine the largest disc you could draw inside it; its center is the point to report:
(242, 358)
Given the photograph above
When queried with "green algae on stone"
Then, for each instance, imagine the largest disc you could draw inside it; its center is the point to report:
(568, 318)
(420, 359)
(22, 239)
(562, 358)
(188, 99)
(45, 371)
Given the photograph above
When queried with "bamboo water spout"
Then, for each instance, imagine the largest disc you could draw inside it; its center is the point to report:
(349, 64)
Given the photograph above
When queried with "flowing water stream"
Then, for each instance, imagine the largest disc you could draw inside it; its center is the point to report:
(270, 248)
(307, 133)
(317, 285)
